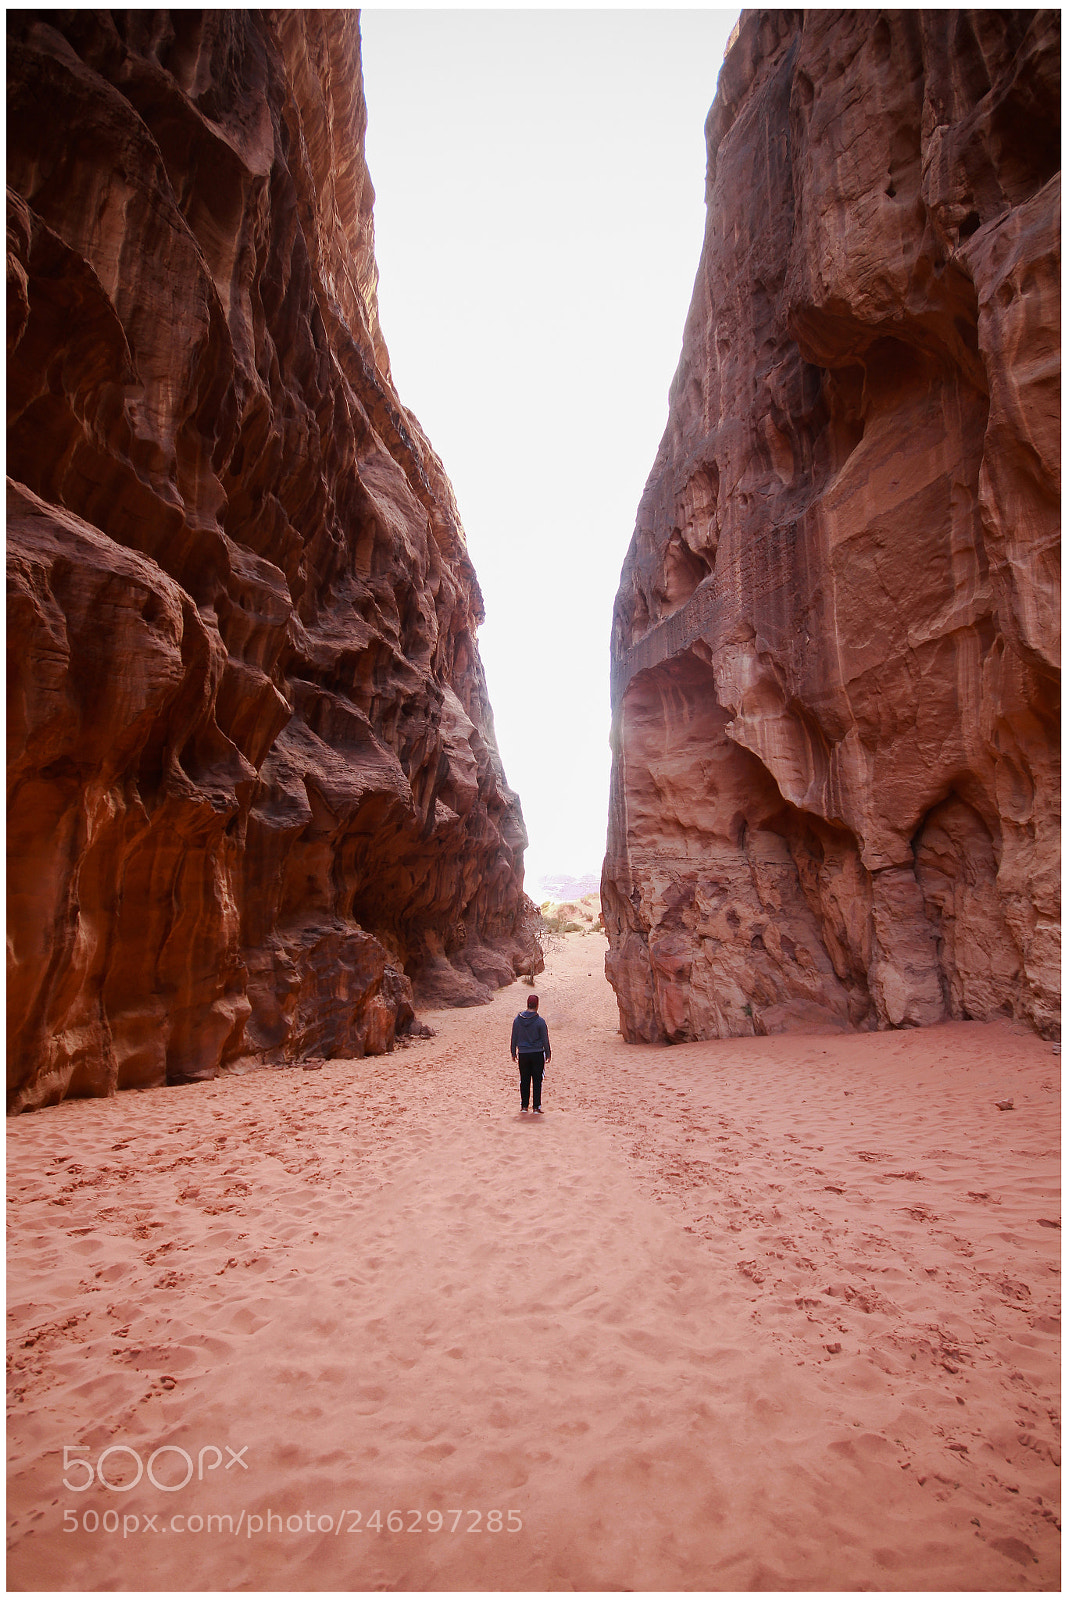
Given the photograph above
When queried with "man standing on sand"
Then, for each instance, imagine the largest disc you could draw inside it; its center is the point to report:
(530, 1047)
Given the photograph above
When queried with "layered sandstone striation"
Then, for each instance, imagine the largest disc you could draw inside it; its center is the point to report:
(254, 787)
(835, 672)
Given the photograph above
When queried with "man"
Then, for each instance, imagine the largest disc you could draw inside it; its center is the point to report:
(530, 1047)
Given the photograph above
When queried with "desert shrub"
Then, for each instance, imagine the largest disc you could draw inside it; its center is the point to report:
(542, 936)
(554, 918)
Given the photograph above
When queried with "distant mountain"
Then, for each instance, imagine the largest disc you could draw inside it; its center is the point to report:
(562, 887)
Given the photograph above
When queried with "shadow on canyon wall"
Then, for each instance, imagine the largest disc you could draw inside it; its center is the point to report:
(256, 808)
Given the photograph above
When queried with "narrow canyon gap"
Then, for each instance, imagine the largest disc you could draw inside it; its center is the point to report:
(759, 1314)
(254, 789)
(835, 652)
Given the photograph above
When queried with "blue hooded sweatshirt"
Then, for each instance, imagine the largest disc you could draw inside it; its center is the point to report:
(529, 1033)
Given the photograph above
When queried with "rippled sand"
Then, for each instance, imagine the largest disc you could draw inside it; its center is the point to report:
(758, 1314)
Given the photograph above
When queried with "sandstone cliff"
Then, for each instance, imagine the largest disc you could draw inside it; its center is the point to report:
(835, 671)
(254, 785)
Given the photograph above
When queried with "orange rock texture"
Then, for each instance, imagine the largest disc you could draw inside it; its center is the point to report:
(835, 676)
(255, 793)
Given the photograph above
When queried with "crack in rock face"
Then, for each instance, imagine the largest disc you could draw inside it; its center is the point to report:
(256, 807)
(835, 678)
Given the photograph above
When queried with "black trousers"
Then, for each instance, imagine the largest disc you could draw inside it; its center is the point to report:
(531, 1071)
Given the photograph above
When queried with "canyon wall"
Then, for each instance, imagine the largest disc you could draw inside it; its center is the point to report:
(834, 658)
(254, 789)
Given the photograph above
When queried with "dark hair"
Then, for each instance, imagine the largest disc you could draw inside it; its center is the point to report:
(532, 1002)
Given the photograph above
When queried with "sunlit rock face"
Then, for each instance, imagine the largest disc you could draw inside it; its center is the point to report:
(254, 787)
(835, 658)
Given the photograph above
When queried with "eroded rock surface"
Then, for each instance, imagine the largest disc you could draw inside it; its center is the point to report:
(835, 663)
(254, 786)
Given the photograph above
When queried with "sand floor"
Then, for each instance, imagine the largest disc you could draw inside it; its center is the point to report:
(758, 1314)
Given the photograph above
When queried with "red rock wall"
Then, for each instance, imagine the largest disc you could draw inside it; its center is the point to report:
(835, 672)
(254, 785)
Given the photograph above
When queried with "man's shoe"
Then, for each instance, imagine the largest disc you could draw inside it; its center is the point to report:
(538, 1112)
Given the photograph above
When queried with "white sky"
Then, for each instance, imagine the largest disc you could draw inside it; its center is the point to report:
(538, 223)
